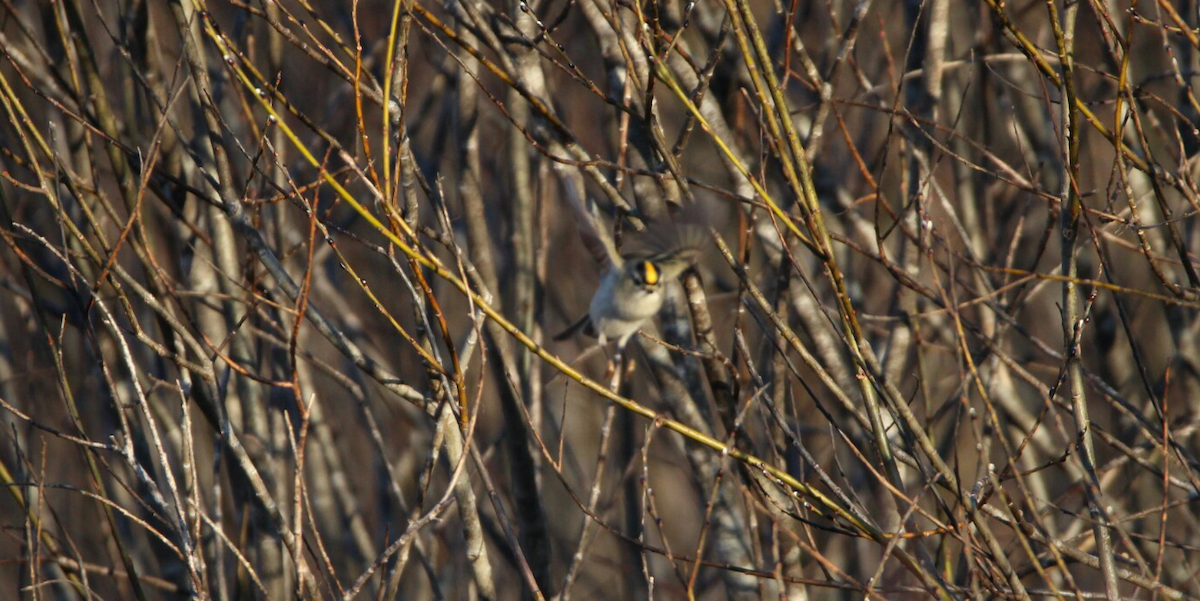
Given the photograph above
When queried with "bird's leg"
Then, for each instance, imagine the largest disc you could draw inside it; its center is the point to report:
(615, 367)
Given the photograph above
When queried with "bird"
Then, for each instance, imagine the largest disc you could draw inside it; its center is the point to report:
(631, 291)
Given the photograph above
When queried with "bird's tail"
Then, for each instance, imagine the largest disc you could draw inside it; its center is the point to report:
(584, 324)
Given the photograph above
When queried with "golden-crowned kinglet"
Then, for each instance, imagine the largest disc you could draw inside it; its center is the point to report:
(632, 290)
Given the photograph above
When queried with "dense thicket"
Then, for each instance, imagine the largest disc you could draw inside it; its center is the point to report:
(280, 282)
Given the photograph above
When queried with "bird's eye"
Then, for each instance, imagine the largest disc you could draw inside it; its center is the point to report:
(648, 273)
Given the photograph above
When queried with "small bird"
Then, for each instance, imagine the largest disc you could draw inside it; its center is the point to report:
(631, 291)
